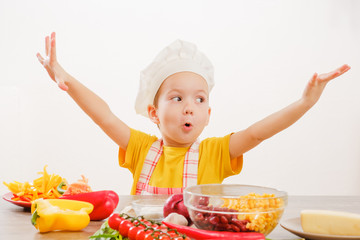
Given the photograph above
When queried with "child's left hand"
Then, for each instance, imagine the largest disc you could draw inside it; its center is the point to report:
(317, 84)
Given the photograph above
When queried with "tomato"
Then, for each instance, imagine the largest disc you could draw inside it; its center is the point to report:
(172, 233)
(148, 237)
(142, 229)
(124, 227)
(164, 236)
(181, 238)
(151, 236)
(133, 231)
(142, 233)
(164, 227)
(146, 222)
(161, 227)
(114, 221)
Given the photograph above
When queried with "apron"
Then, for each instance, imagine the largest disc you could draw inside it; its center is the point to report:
(189, 174)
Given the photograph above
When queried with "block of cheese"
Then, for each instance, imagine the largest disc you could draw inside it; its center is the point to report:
(330, 222)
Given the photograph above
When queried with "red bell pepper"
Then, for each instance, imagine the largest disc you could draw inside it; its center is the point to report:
(104, 202)
(209, 235)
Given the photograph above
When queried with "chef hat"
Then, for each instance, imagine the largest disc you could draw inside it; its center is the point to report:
(180, 56)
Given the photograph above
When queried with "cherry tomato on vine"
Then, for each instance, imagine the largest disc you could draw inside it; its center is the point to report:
(181, 238)
(146, 222)
(133, 231)
(124, 227)
(114, 221)
(172, 233)
(153, 235)
(161, 227)
(164, 237)
(142, 233)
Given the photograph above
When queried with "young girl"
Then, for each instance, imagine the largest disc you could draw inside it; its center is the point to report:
(174, 94)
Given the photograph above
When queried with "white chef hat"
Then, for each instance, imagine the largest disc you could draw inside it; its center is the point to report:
(180, 56)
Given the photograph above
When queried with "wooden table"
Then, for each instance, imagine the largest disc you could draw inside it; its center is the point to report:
(15, 220)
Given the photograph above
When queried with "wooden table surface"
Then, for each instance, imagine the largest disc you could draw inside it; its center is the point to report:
(15, 221)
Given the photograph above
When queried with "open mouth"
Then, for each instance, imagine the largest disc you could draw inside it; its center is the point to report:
(187, 126)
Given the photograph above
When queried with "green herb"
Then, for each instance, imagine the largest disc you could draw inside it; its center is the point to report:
(107, 233)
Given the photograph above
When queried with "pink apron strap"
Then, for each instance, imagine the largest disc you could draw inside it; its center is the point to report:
(189, 175)
(191, 163)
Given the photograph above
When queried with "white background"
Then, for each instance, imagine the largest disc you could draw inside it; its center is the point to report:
(264, 52)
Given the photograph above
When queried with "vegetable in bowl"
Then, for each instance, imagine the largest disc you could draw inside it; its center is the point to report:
(234, 207)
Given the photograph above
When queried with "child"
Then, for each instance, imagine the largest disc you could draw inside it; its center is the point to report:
(174, 94)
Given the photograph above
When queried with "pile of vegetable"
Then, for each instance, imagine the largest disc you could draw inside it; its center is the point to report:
(211, 220)
(267, 207)
(71, 207)
(43, 187)
(217, 226)
(52, 186)
(81, 186)
(123, 226)
(174, 226)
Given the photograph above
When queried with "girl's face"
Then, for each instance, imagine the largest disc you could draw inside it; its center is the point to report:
(182, 110)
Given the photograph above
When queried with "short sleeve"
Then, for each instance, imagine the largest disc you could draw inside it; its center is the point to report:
(138, 146)
(214, 160)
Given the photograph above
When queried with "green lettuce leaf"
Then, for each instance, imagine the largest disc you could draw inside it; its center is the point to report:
(106, 233)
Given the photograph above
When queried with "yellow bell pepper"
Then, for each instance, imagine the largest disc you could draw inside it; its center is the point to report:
(60, 214)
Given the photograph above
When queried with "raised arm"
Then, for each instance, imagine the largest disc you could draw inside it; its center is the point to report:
(247, 139)
(96, 108)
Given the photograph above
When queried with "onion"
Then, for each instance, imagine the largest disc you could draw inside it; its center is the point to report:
(175, 204)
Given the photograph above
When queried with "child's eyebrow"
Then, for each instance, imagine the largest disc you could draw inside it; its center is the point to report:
(178, 90)
(203, 91)
(173, 90)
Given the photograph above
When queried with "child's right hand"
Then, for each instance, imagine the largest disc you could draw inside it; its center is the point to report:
(96, 108)
(55, 71)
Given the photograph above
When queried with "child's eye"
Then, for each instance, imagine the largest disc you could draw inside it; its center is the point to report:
(200, 99)
(177, 99)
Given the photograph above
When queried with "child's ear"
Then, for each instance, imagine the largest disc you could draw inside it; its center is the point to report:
(209, 113)
(153, 114)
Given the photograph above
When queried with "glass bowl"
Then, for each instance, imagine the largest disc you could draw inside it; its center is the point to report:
(234, 207)
(151, 209)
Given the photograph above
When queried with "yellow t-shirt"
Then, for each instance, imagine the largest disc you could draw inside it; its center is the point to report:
(214, 161)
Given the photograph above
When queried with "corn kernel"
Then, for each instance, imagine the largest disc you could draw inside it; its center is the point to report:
(262, 221)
